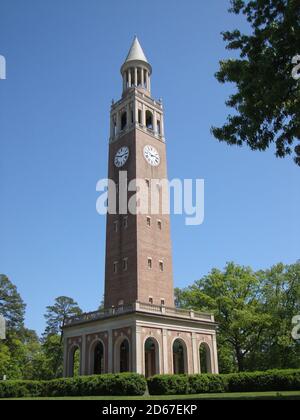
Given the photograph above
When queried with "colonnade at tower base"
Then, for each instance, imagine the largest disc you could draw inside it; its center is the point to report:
(140, 338)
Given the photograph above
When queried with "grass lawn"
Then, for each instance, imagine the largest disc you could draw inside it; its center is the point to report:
(238, 396)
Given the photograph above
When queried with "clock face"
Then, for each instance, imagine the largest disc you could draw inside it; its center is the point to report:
(151, 155)
(121, 157)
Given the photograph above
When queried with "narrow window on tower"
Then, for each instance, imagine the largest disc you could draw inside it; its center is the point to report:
(125, 222)
(158, 127)
(116, 267)
(121, 303)
(149, 221)
(161, 266)
(148, 183)
(159, 224)
(114, 126)
(163, 302)
(140, 117)
(123, 121)
(116, 225)
(151, 300)
(125, 264)
(150, 263)
(149, 120)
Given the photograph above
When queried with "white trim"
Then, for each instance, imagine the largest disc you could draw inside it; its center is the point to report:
(165, 351)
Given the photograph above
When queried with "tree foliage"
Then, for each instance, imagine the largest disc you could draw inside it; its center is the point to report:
(254, 311)
(23, 355)
(12, 306)
(63, 308)
(267, 102)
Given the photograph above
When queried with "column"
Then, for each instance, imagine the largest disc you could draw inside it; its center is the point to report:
(128, 115)
(129, 77)
(124, 82)
(162, 125)
(195, 354)
(135, 111)
(143, 77)
(118, 122)
(155, 122)
(143, 115)
(149, 82)
(135, 76)
(110, 351)
(66, 358)
(165, 369)
(138, 351)
(83, 355)
(214, 356)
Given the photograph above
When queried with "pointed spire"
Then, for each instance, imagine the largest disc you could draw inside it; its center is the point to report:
(136, 52)
(137, 55)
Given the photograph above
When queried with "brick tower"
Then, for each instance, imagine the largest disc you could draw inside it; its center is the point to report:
(139, 329)
(138, 247)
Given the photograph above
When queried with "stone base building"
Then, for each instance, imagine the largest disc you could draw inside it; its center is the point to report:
(141, 338)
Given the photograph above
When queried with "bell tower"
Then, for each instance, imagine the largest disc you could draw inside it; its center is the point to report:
(138, 247)
(139, 329)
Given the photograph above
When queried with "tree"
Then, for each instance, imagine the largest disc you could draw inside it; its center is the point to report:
(12, 306)
(63, 308)
(281, 299)
(234, 297)
(50, 361)
(267, 102)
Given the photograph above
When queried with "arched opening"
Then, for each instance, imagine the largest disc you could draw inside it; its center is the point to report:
(151, 358)
(205, 358)
(179, 357)
(124, 357)
(99, 359)
(149, 120)
(75, 362)
(123, 121)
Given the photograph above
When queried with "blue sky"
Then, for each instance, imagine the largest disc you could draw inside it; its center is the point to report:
(63, 60)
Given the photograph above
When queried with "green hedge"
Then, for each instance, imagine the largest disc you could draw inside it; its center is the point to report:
(276, 380)
(287, 380)
(126, 384)
(185, 384)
